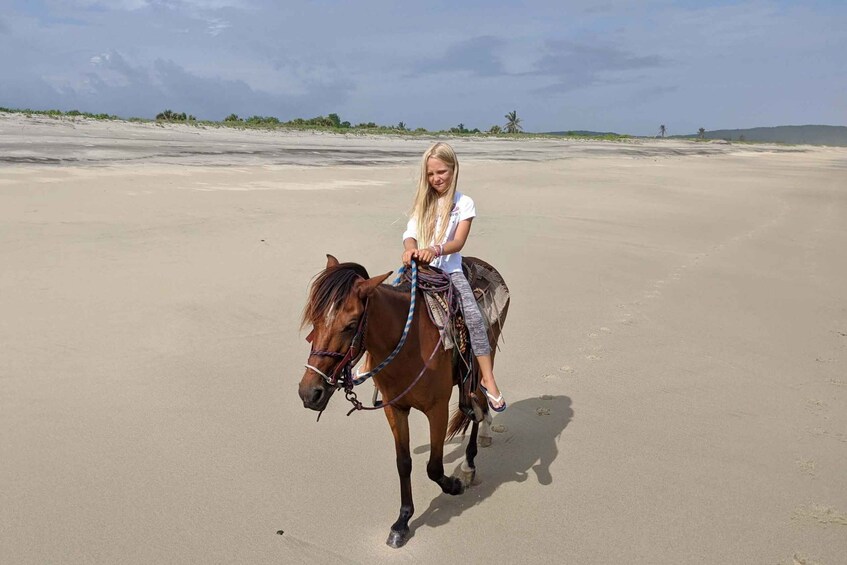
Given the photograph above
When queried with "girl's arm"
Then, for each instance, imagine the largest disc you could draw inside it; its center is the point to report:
(463, 230)
(453, 246)
(410, 245)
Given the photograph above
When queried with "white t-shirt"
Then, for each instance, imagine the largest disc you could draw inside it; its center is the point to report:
(463, 208)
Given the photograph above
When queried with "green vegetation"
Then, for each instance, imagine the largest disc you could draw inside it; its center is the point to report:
(59, 113)
(462, 129)
(330, 123)
(169, 116)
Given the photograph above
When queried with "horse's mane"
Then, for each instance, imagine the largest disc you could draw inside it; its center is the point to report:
(329, 290)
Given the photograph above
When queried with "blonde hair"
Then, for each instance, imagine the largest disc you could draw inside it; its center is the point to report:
(425, 209)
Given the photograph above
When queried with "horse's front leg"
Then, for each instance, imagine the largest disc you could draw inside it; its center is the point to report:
(398, 419)
(437, 416)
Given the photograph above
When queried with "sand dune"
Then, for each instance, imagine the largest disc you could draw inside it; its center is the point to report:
(675, 356)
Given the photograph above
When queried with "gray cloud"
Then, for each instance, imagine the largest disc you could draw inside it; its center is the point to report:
(115, 86)
(477, 56)
(575, 65)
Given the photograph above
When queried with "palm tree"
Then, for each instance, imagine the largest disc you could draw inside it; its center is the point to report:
(495, 129)
(662, 130)
(701, 133)
(513, 122)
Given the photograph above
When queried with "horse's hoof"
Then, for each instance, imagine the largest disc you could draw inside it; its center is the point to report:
(458, 487)
(484, 441)
(397, 539)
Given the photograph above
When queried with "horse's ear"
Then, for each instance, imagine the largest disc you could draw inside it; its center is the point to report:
(366, 287)
(331, 261)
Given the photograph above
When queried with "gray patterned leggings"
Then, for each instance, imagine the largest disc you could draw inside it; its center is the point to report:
(473, 318)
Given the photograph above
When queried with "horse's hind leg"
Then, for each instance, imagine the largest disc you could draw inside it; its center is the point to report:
(485, 430)
(399, 421)
(468, 465)
(437, 417)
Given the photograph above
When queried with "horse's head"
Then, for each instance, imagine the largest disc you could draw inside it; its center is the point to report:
(335, 310)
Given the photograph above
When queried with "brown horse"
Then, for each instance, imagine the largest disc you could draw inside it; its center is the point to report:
(351, 313)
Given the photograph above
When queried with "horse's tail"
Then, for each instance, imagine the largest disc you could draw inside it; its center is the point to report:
(459, 423)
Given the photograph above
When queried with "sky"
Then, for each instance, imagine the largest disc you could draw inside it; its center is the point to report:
(622, 66)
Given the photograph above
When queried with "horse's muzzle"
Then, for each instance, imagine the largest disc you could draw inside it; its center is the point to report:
(315, 394)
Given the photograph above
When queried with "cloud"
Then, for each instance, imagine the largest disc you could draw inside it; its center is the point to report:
(129, 5)
(216, 26)
(477, 56)
(114, 85)
(573, 65)
(132, 5)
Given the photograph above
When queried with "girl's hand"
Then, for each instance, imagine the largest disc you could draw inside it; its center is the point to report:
(425, 255)
(407, 257)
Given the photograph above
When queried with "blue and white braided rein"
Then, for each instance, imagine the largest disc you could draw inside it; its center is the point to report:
(363, 377)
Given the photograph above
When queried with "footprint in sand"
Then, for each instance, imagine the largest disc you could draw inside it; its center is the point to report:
(836, 382)
(821, 514)
(798, 559)
(566, 369)
(806, 466)
(605, 330)
(592, 357)
(498, 428)
(816, 406)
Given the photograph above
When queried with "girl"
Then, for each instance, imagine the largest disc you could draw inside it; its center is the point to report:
(441, 219)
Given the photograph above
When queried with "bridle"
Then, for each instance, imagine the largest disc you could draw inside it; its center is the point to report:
(344, 368)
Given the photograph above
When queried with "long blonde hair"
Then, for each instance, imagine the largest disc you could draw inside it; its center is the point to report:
(425, 209)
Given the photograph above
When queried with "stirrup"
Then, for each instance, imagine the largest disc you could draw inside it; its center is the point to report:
(473, 411)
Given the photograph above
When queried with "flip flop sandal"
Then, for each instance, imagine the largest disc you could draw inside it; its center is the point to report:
(493, 399)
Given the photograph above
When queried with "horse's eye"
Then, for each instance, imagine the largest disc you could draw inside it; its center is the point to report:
(351, 327)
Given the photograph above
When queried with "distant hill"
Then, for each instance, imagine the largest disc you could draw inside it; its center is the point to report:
(811, 135)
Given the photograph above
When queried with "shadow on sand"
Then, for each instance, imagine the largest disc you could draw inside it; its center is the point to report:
(524, 449)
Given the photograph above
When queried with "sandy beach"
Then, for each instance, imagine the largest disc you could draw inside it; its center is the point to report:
(675, 356)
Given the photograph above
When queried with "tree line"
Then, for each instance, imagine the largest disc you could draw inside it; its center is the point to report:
(334, 121)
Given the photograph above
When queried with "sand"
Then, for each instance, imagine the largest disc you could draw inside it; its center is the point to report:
(675, 356)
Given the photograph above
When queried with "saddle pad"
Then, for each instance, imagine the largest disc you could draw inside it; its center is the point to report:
(490, 291)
